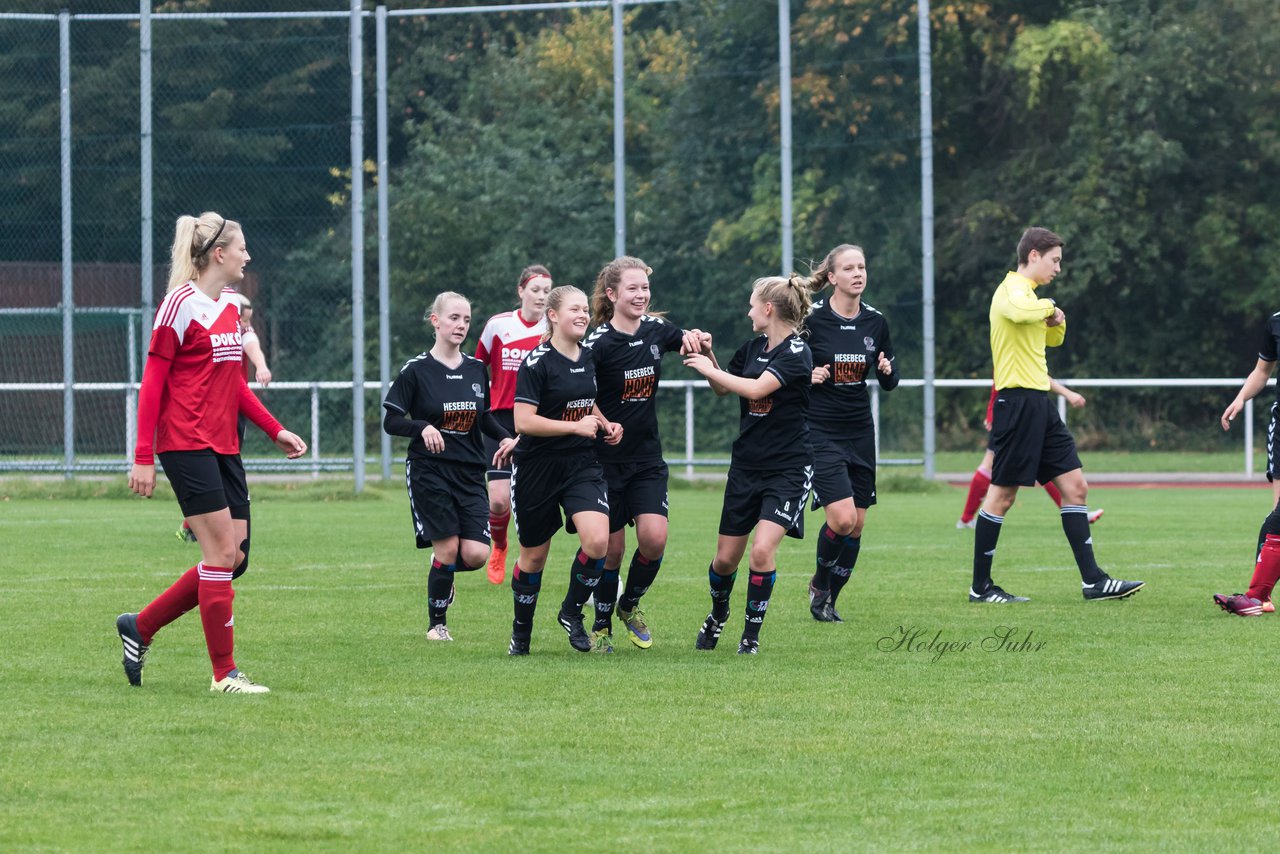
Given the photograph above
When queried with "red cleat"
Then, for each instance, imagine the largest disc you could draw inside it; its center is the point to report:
(1238, 604)
(497, 565)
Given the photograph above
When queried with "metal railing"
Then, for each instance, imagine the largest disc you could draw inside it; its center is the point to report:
(316, 462)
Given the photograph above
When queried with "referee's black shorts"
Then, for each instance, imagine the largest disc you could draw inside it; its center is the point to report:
(1029, 439)
(205, 481)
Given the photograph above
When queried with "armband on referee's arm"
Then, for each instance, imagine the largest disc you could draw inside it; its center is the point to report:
(253, 409)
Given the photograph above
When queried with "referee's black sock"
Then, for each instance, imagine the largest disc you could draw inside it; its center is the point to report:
(605, 595)
(829, 546)
(758, 592)
(1075, 524)
(524, 591)
(640, 576)
(986, 533)
(439, 586)
(843, 569)
(721, 590)
(584, 579)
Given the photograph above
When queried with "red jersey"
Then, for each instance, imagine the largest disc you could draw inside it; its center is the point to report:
(506, 339)
(200, 340)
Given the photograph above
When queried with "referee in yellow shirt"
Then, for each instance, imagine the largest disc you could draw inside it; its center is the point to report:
(1029, 439)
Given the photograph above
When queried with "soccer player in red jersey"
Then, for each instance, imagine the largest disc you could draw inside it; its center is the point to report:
(192, 390)
(504, 342)
(1266, 570)
(981, 479)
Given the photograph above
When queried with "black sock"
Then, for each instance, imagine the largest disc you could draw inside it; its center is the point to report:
(439, 586)
(584, 578)
(606, 593)
(1270, 525)
(843, 570)
(985, 536)
(829, 545)
(759, 590)
(640, 576)
(1075, 524)
(721, 589)
(524, 590)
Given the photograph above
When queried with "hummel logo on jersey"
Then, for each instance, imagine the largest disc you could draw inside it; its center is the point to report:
(762, 359)
(577, 370)
(848, 328)
(453, 376)
(635, 343)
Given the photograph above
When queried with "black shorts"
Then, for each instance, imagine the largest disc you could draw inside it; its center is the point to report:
(635, 488)
(773, 496)
(541, 486)
(447, 500)
(843, 468)
(1273, 447)
(1030, 441)
(205, 481)
(507, 418)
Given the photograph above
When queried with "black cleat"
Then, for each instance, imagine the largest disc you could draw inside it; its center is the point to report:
(135, 651)
(709, 634)
(995, 595)
(578, 637)
(748, 647)
(519, 646)
(833, 614)
(820, 605)
(1110, 588)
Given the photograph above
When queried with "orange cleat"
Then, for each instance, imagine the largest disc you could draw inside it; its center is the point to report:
(497, 565)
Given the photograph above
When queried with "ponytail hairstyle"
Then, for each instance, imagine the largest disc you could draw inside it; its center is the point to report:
(194, 238)
(789, 297)
(554, 300)
(609, 280)
(441, 300)
(817, 279)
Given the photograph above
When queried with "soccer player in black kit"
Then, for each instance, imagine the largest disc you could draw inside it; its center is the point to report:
(440, 400)
(556, 467)
(850, 341)
(628, 346)
(771, 467)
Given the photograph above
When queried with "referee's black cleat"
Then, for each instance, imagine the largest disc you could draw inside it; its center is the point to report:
(135, 651)
(519, 646)
(709, 634)
(578, 637)
(748, 647)
(1110, 588)
(995, 595)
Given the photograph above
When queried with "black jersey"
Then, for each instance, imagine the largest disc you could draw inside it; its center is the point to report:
(628, 368)
(1269, 349)
(852, 348)
(562, 390)
(774, 431)
(453, 400)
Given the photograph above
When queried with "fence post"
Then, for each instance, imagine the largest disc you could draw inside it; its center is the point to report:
(384, 240)
(68, 292)
(688, 431)
(925, 51)
(619, 137)
(131, 396)
(315, 429)
(787, 224)
(357, 245)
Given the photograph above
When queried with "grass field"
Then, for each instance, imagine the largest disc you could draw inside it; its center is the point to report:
(1135, 725)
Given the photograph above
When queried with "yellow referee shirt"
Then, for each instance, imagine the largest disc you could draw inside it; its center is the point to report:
(1019, 336)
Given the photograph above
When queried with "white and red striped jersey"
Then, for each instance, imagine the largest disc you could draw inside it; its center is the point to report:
(505, 341)
(201, 339)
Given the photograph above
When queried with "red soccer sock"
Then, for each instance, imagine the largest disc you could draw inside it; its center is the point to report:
(181, 597)
(1267, 570)
(216, 596)
(498, 529)
(977, 492)
(1053, 493)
